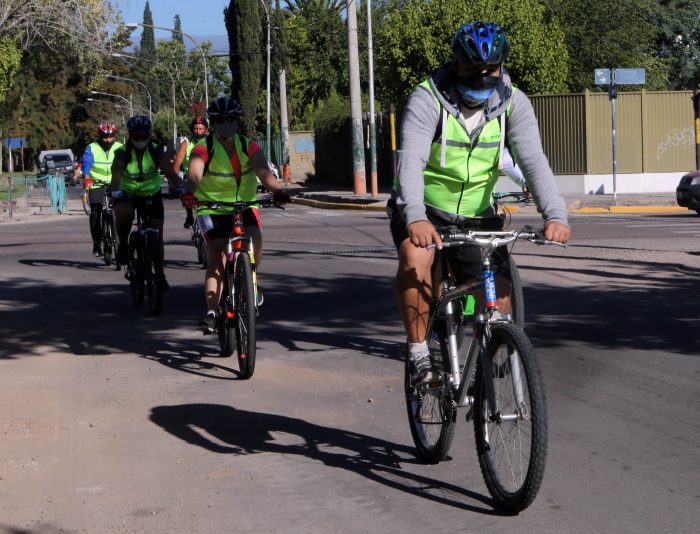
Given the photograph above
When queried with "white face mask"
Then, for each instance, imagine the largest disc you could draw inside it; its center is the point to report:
(140, 144)
(226, 130)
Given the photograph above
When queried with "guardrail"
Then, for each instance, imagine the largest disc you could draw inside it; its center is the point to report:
(43, 191)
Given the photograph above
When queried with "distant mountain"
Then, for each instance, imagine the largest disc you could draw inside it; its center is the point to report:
(219, 42)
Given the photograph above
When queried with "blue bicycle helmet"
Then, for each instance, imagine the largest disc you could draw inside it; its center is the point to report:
(138, 122)
(480, 42)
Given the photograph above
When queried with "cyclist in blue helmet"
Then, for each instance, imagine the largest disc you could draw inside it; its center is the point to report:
(136, 185)
(456, 128)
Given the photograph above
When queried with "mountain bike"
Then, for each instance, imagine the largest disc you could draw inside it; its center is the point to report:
(109, 233)
(496, 376)
(238, 303)
(145, 248)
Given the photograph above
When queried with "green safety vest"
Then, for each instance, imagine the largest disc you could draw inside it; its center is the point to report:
(186, 161)
(144, 181)
(101, 170)
(219, 182)
(465, 183)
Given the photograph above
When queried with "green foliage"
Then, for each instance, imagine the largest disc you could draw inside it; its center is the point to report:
(603, 34)
(678, 24)
(148, 38)
(177, 34)
(162, 131)
(318, 53)
(413, 38)
(332, 113)
(244, 23)
(10, 58)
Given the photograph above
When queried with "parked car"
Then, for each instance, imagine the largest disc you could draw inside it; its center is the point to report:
(688, 191)
(58, 162)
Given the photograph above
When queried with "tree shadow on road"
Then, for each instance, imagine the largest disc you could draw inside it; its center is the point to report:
(244, 432)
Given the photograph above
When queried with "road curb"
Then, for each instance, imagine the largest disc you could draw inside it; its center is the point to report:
(338, 205)
(631, 209)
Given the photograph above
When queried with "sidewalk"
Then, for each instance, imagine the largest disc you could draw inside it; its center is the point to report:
(330, 196)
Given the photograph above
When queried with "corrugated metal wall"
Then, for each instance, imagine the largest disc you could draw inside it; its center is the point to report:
(562, 121)
(655, 132)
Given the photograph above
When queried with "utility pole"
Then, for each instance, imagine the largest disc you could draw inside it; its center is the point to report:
(696, 107)
(358, 155)
(284, 126)
(372, 124)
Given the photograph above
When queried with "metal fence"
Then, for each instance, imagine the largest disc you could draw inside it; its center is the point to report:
(42, 191)
(655, 132)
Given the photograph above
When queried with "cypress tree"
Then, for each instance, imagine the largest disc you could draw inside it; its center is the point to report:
(244, 22)
(177, 34)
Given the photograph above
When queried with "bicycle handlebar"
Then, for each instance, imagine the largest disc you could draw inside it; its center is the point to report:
(493, 239)
(267, 202)
(516, 196)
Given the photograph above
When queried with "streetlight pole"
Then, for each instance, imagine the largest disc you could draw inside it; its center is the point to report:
(267, 83)
(150, 101)
(134, 25)
(131, 111)
(372, 125)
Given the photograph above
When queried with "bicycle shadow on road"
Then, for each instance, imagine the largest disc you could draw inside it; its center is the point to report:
(97, 265)
(243, 432)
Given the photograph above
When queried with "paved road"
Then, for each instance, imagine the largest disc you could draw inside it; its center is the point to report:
(114, 421)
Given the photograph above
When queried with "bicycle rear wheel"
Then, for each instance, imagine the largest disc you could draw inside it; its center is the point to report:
(431, 411)
(244, 314)
(226, 324)
(512, 442)
(135, 267)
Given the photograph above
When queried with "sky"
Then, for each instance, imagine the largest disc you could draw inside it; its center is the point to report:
(198, 17)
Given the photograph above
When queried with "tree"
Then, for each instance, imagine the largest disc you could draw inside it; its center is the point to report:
(678, 23)
(602, 34)
(177, 34)
(148, 37)
(413, 38)
(318, 54)
(244, 26)
(66, 27)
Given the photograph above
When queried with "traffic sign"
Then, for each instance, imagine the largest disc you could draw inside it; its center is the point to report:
(630, 76)
(602, 76)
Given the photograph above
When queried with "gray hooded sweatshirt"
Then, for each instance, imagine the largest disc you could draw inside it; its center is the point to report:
(421, 118)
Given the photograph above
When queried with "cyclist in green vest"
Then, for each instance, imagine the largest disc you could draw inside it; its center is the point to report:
(136, 185)
(456, 127)
(226, 173)
(97, 173)
(199, 127)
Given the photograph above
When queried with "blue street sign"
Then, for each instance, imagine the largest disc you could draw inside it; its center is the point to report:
(630, 76)
(602, 76)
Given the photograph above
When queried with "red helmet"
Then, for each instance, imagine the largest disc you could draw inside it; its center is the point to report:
(106, 129)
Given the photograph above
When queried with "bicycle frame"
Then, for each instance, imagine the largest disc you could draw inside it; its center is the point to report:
(240, 243)
(444, 310)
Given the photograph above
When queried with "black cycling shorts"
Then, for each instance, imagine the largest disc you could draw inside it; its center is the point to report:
(220, 226)
(465, 261)
(151, 205)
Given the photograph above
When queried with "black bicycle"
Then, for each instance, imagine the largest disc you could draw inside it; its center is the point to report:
(144, 273)
(109, 233)
(494, 373)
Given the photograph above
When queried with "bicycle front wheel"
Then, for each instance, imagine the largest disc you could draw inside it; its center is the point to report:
(154, 288)
(85, 197)
(225, 328)
(107, 239)
(516, 294)
(431, 412)
(244, 314)
(136, 269)
(511, 438)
